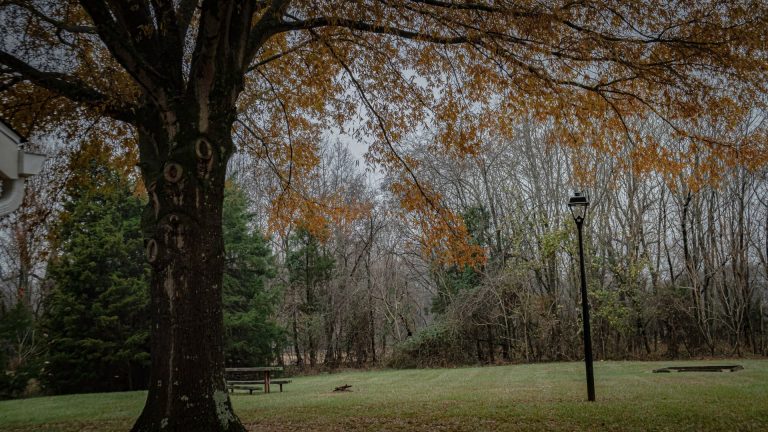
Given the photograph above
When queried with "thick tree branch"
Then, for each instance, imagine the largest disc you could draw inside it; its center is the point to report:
(135, 19)
(185, 12)
(265, 27)
(166, 17)
(69, 87)
(119, 42)
(170, 40)
(203, 64)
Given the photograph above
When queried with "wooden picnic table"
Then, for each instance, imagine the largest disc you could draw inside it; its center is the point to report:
(265, 370)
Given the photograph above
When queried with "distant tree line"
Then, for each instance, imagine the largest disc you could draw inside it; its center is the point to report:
(676, 265)
(675, 258)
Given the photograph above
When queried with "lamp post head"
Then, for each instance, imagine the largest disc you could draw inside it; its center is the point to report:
(578, 204)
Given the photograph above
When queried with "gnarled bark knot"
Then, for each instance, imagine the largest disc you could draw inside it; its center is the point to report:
(173, 172)
(152, 251)
(203, 149)
(152, 190)
(204, 153)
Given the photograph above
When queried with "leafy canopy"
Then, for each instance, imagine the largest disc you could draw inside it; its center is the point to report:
(381, 69)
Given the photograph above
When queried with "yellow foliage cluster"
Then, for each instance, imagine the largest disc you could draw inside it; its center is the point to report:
(443, 236)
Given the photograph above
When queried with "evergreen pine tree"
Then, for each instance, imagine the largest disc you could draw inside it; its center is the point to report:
(310, 268)
(251, 337)
(96, 317)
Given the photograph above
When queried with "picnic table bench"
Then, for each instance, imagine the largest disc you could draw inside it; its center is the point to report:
(243, 385)
(700, 368)
(242, 378)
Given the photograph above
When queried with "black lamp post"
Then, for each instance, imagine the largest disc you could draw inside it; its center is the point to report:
(578, 205)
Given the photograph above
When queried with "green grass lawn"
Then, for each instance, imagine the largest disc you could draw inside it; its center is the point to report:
(540, 397)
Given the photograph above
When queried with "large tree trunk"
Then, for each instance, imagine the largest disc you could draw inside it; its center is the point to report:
(184, 244)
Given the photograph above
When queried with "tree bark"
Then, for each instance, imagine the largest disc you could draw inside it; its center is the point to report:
(184, 245)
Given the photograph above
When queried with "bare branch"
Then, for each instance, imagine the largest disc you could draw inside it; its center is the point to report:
(384, 131)
(169, 31)
(282, 54)
(319, 22)
(475, 6)
(70, 87)
(59, 24)
(459, 6)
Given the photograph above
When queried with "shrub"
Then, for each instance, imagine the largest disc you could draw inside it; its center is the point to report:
(437, 345)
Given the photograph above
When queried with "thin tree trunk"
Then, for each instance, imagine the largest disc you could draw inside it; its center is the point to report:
(371, 315)
(297, 351)
(491, 345)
